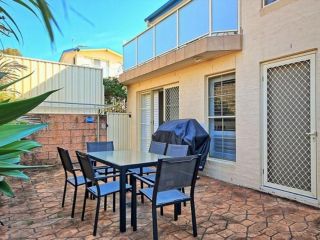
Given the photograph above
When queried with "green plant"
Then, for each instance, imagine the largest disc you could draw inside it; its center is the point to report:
(12, 142)
(40, 9)
(114, 91)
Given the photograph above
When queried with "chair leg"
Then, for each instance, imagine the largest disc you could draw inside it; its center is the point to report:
(84, 204)
(114, 202)
(175, 212)
(142, 197)
(133, 203)
(183, 191)
(179, 208)
(194, 221)
(105, 203)
(64, 192)
(96, 217)
(74, 201)
(114, 194)
(161, 211)
(154, 223)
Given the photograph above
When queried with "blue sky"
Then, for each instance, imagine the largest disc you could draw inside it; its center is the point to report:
(112, 23)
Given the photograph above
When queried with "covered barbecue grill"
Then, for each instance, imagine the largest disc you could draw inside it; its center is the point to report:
(185, 132)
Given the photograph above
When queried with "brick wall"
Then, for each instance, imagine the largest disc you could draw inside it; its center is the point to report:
(64, 130)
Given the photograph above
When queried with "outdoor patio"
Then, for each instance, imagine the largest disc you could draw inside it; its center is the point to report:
(224, 211)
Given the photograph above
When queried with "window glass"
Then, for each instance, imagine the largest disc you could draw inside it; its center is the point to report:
(266, 2)
(222, 121)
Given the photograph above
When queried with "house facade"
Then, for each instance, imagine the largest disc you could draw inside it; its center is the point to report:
(108, 60)
(248, 71)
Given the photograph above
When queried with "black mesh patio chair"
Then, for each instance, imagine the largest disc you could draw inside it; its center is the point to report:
(98, 147)
(157, 148)
(73, 180)
(96, 189)
(172, 174)
(173, 150)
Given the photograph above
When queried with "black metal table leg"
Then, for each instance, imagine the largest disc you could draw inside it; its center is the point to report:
(122, 200)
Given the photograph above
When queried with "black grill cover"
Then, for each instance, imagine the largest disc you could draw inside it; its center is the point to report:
(185, 132)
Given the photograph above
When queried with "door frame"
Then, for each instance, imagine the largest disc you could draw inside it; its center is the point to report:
(313, 128)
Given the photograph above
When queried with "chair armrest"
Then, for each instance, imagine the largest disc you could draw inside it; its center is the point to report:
(143, 180)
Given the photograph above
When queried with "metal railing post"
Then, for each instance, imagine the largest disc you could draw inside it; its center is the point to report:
(210, 18)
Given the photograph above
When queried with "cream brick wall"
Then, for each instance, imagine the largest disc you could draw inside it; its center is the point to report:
(285, 28)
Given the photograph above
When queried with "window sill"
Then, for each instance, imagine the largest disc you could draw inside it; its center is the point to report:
(221, 161)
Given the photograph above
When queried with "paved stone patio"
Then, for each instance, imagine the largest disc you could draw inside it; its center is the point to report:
(224, 211)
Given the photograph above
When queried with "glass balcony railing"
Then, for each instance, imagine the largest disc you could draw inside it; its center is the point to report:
(196, 19)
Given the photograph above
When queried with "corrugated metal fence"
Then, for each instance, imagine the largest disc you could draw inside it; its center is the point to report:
(81, 90)
(119, 130)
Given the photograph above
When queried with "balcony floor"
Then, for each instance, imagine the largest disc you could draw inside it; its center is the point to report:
(224, 211)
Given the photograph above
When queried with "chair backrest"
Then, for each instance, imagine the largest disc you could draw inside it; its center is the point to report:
(65, 159)
(86, 166)
(157, 147)
(100, 146)
(175, 173)
(174, 150)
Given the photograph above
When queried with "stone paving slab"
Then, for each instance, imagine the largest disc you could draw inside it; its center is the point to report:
(224, 211)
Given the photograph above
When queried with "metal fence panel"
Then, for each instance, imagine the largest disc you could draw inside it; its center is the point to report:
(119, 130)
(81, 88)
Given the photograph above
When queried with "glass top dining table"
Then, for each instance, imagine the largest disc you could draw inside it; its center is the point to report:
(123, 161)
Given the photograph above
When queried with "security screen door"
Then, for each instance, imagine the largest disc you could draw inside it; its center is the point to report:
(289, 126)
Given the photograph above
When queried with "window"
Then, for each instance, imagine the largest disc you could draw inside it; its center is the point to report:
(222, 120)
(267, 2)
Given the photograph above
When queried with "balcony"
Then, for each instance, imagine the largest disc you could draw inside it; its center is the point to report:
(183, 38)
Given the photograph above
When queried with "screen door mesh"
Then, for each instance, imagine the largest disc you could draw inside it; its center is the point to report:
(172, 103)
(288, 121)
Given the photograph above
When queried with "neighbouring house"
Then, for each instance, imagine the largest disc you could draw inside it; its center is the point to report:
(72, 113)
(107, 59)
(249, 72)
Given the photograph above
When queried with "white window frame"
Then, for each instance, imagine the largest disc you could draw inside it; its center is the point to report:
(265, 5)
(216, 117)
